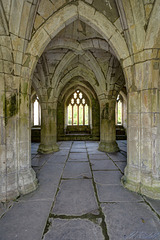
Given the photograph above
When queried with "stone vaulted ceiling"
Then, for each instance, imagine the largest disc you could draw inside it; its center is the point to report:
(78, 50)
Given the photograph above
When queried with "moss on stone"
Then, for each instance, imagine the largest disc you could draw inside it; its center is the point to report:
(13, 107)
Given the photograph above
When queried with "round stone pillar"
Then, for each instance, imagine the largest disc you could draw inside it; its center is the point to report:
(48, 128)
(107, 126)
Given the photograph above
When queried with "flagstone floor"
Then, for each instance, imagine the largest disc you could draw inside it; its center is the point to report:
(80, 197)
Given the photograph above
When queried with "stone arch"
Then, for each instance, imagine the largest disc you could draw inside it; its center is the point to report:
(3, 22)
(75, 81)
(37, 87)
(65, 16)
(93, 64)
(80, 46)
(78, 82)
(133, 23)
(84, 72)
(153, 30)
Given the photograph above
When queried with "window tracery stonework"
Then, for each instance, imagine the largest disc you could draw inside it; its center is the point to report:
(78, 109)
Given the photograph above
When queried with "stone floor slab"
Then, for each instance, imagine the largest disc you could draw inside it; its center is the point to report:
(116, 193)
(96, 152)
(155, 204)
(98, 157)
(131, 221)
(117, 157)
(121, 165)
(78, 146)
(49, 177)
(78, 157)
(75, 198)
(38, 161)
(126, 214)
(25, 220)
(77, 170)
(107, 177)
(57, 159)
(78, 150)
(75, 229)
(62, 153)
(103, 165)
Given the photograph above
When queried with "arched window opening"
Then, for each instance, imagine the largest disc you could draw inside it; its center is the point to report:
(119, 110)
(37, 112)
(78, 110)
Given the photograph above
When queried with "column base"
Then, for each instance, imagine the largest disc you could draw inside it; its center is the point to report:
(48, 148)
(22, 182)
(152, 191)
(108, 147)
(8, 187)
(27, 181)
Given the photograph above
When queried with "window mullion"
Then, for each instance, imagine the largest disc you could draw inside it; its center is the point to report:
(78, 116)
(83, 115)
(72, 115)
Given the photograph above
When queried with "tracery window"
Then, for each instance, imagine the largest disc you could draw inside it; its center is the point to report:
(37, 112)
(78, 109)
(119, 110)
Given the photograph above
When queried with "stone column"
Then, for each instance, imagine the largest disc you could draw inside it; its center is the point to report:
(16, 175)
(142, 173)
(27, 181)
(107, 126)
(48, 128)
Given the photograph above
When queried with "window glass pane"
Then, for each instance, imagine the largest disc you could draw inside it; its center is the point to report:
(119, 113)
(78, 101)
(80, 95)
(72, 101)
(80, 114)
(75, 115)
(86, 114)
(69, 114)
(36, 115)
(75, 95)
(83, 101)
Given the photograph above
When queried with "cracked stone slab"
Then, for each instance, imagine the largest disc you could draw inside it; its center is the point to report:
(107, 177)
(75, 198)
(4, 207)
(98, 157)
(77, 170)
(78, 157)
(25, 220)
(117, 157)
(130, 221)
(121, 165)
(38, 162)
(79, 229)
(48, 177)
(155, 204)
(103, 165)
(116, 193)
(124, 149)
